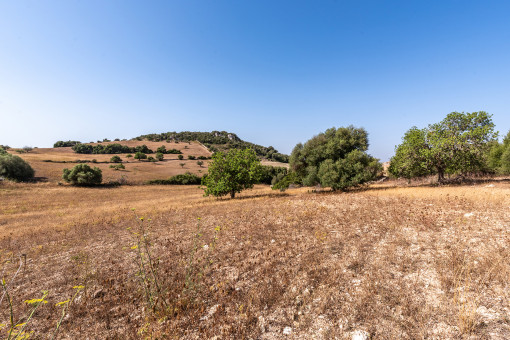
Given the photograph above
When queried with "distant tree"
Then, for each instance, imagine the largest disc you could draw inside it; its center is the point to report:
(62, 144)
(159, 156)
(14, 167)
(180, 157)
(28, 148)
(336, 158)
(129, 155)
(182, 165)
(117, 166)
(161, 149)
(200, 163)
(459, 144)
(116, 159)
(82, 175)
(152, 159)
(140, 156)
(232, 172)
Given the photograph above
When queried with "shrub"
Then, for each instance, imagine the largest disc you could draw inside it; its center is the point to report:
(117, 166)
(129, 156)
(82, 175)
(62, 144)
(191, 157)
(116, 159)
(159, 156)
(152, 159)
(15, 168)
(183, 179)
(181, 157)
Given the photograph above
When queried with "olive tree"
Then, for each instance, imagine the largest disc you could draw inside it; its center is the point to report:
(336, 158)
(232, 172)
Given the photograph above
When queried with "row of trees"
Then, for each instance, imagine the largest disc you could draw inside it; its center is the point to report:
(110, 149)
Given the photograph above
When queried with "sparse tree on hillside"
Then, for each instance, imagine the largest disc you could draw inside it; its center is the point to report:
(159, 156)
(232, 172)
(83, 175)
(140, 156)
(182, 165)
(116, 159)
(200, 163)
(181, 157)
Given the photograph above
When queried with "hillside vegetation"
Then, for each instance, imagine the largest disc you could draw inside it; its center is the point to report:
(218, 141)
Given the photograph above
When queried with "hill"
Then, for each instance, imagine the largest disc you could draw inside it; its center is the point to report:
(217, 141)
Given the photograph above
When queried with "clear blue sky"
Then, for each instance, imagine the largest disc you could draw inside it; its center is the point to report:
(274, 72)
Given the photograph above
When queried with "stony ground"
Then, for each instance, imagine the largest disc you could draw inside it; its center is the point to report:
(388, 262)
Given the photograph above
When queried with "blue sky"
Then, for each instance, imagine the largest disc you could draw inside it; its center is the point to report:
(274, 72)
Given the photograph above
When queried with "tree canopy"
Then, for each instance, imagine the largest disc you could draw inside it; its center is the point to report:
(336, 158)
(14, 167)
(83, 175)
(232, 172)
(458, 144)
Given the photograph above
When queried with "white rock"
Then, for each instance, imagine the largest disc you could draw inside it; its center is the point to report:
(206, 247)
(490, 186)
(273, 241)
(360, 335)
(287, 330)
(468, 214)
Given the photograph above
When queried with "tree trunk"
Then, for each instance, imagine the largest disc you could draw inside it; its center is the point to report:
(232, 194)
(440, 175)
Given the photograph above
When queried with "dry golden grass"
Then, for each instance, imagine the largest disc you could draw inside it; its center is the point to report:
(410, 263)
(136, 171)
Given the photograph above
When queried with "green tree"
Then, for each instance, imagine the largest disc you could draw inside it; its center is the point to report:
(140, 155)
(159, 156)
(180, 157)
(116, 159)
(232, 172)
(200, 163)
(82, 175)
(14, 167)
(459, 144)
(336, 158)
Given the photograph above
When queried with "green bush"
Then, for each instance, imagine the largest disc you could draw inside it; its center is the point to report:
(159, 156)
(117, 166)
(83, 175)
(63, 144)
(15, 168)
(191, 157)
(140, 155)
(183, 179)
(116, 159)
(180, 157)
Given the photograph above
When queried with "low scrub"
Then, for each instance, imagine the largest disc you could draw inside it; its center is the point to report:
(182, 179)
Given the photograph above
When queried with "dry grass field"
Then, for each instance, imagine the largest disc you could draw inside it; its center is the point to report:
(136, 172)
(394, 262)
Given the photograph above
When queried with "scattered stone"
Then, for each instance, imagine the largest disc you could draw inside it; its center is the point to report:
(468, 214)
(210, 313)
(98, 294)
(490, 186)
(360, 335)
(287, 330)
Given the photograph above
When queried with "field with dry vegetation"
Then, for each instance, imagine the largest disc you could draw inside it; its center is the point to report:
(392, 262)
